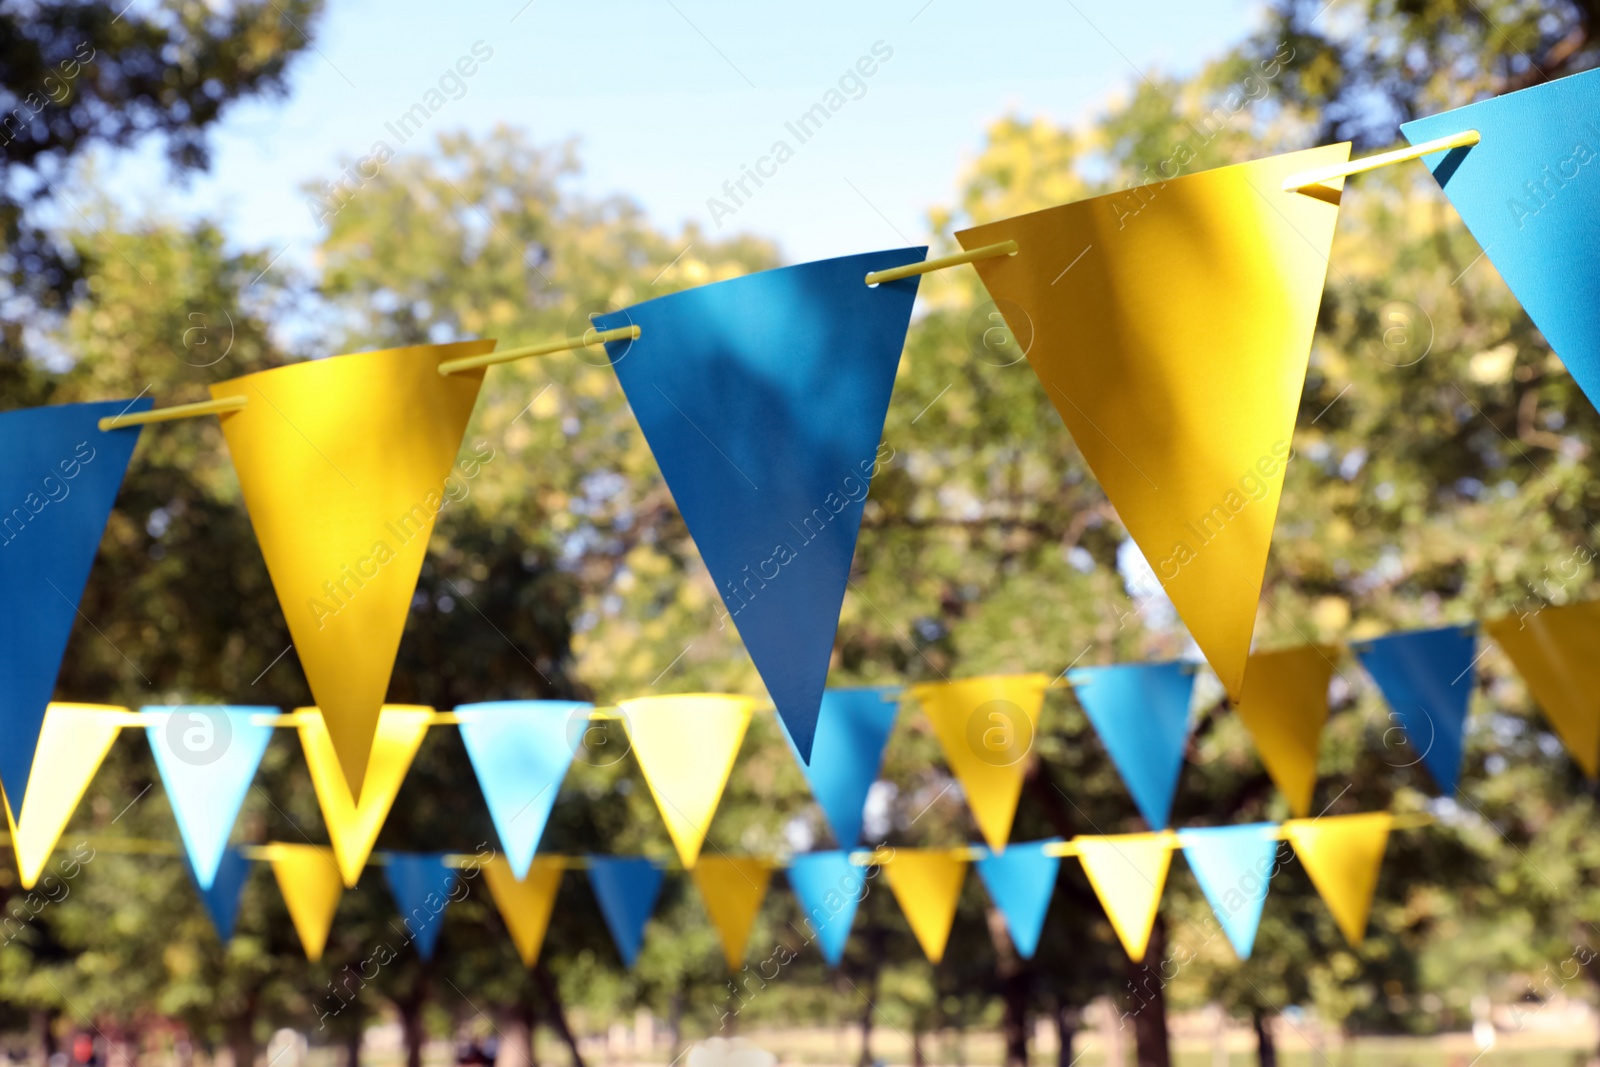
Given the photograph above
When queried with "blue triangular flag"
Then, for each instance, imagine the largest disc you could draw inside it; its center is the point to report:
(58, 481)
(852, 729)
(763, 399)
(1233, 865)
(221, 898)
(520, 750)
(207, 756)
(1020, 881)
(829, 888)
(1141, 712)
(626, 887)
(1427, 678)
(1528, 192)
(421, 883)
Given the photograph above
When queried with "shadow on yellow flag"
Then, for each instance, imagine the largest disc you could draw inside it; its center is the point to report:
(309, 881)
(343, 464)
(1173, 341)
(986, 728)
(526, 905)
(733, 888)
(685, 745)
(1554, 649)
(73, 742)
(1284, 707)
(927, 883)
(353, 827)
(1128, 872)
(1342, 854)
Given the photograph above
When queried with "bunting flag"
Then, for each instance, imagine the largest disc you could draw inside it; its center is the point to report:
(1284, 710)
(1171, 326)
(342, 463)
(852, 729)
(221, 897)
(422, 884)
(1141, 712)
(57, 485)
(986, 728)
(1233, 865)
(353, 827)
(927, 883)
(520, 751)
(525, 903)
(72, 743)
(1526, 192)
(308, 878)
(1342, 854)
(685, 746)
(733, 888)
(1128, 872)
(207, 757)
(1020, 881)
(763, 398)
(1554, 651)
(829, 888)
(1427, 677)
(626, 888)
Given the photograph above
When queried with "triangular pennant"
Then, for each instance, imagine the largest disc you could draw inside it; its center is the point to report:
(1554, 651)
(763, 399)
(221, 897)
(1342, 854)
(1427, 677)
(207, 757)
(1233, 865)
(1141, 712)
(829, 888)
(1171, 326)
(352, 827)
(685, 746)
(1020, 881)
(927, 883)
(626, 888)
(342, 463)
(1284, 708)
(853, 727)
(520, 751)
(525, 904)
(308, 878)
(986, 729)
(1526, 192)
(58, 483)
(422, 883)
(1128, 872)
(72, 743)
(733, 888)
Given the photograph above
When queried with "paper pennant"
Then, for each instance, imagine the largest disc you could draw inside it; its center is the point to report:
(1284, 708)
(1128, 872)
(207, 757)
(1554, 651)
(72, 743)
(626, 888)
(1527, 193)
(852, 729)
(927, 883)
(1141, 712)
(1170, 326)
(342, 463)
(520, 751)
(57, 485)
(1233, 865)
(422, 884)
(1342, 854)
(1020, 881)
(525, 904)
(685, 746)
(221, 897)
(733, 888)
(829, 888)
(1427, 677)
(986, 729)
(308, 878)
(763, 399)
(352, 827)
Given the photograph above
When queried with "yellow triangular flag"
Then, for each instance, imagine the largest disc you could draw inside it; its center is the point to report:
(343, 464)
(1554, 651)
(73, 742)
(927, 883)
(1128, 872)
(526, 905)
(685, 746)
(1284, 707)
(1342, 854)
(353, 827)
(309, 881)
(1170, 326)
(733, 888)
(986, 727)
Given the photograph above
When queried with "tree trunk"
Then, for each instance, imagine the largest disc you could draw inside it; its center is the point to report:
(865, 1059)
(1266, 1048)
(917, 1058)
(352, 1045)
(42, 1036)
(241, 1034)
(558, 1014)
(410, 1011)
(1066, 1033)
(1149, 1003)
(1013, 976)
